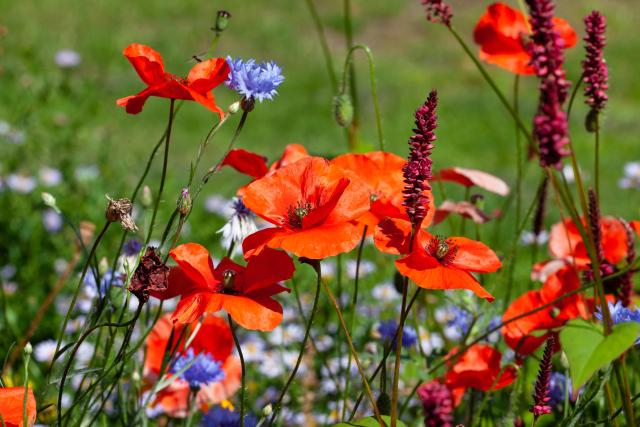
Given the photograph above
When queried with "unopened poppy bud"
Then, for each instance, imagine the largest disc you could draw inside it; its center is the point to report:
(50, 201)
(384, 404)
(234, 108)
(398, 282)
(146, 199)
(28, 349)
(247, 104)
(120, 211)
(184, 202)
(267, 410)
(222, 20)
(103, 266)
(591, 121)
(342, 110)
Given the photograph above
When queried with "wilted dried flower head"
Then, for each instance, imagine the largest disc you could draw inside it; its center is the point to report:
(150, 275)
(120, 211)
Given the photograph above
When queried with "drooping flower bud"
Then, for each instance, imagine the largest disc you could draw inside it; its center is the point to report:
(342, 110)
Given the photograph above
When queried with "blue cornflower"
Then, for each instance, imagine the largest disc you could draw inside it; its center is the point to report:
(621, 314)
(252, 80)
(222, 417)
(203, 369)
(387, 330)
(458, 322)
(132, 247)
(557, 388)
(109, 278)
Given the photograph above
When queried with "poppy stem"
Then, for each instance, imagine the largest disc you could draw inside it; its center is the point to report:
(243, 380)
(326, 52)
(352, 314)
(398, 342)
(354, 353)
(307, 332)
(494, 86)
(164, 172)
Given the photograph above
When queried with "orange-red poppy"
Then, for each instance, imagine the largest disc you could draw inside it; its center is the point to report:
(243, 292)
(435, 262)
(11, 406)
(471, 177)
(213, 337)
(565, 242)
(313, 204)
(500, 33)
(382, 174)
(479, 368)
(526, 334)
(203, 77)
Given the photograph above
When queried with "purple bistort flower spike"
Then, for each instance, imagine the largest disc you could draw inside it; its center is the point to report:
(253, 80)
(417, 170)
(596, 73)
(541, 396)
(438, 11)
(547, 57)
(437, 404)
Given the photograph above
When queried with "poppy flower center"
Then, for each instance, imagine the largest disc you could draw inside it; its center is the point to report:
(228, 285)
(373, 197)
(442, 250)
(297, 213)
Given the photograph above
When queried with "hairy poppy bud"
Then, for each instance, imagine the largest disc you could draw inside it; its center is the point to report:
(384, 404)
(342, 110)
(28, 349)
(50, 201)
(150, 275)
(120, 211)
(222, 20)
(146, 199)
(591, 121)
(184, 202)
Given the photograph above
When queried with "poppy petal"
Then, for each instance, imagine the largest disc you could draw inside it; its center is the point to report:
(256, 242)
(474, 256)
(320, 214)
(470, 177)
(292, 153)
(191, 307)
(206, 75)
(438, 277)
(133, 104)
(195, 261)
(246, 162)
(267, 268)
(392, 236)
(319, 242)
(11, 406)
(262, 314)
(208, 101)
(178, 284)
(147, 63)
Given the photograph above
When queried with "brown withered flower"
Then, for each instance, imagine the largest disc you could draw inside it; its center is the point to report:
(150, 275)
(119, 210)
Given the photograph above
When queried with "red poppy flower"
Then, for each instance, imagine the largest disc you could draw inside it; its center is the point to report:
(203, 77)
(525, 335)
(213, 337)
(471, 177)
(313, 205)
(500, 32)
(464, 209)
(382, 174)
(565, 242)
(479, 368)
(11, 406)
(243, 292)
(435, 262)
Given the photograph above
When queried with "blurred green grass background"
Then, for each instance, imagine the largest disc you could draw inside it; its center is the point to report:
(70, 118)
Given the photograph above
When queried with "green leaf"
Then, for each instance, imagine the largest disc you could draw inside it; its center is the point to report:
(588, 350)
(370, 422)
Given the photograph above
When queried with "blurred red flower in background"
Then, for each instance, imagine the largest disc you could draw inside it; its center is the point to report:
(501, 33)
(479, 368)
(11, 407)
(203, 77)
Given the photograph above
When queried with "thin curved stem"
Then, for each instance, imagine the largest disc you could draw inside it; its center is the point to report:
(307, 332)
(164, 173)
(242, 365)
(326, 52)
(354, 353)
(374, 87)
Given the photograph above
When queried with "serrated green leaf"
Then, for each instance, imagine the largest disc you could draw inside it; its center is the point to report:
(588, 350)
